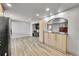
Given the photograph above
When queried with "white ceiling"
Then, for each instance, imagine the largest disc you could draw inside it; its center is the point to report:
(26, 11)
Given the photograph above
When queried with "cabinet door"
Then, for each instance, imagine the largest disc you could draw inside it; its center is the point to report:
(61, 42)
(46, 39)
(52, 40)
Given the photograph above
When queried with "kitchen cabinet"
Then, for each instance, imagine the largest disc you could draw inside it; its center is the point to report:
(61, 41)
(54, 33)
(56, 40)
(52, 39)
(46, 39)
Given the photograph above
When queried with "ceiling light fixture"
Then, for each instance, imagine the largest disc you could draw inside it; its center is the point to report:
(47, 9)
(37, 14)
(8, 4)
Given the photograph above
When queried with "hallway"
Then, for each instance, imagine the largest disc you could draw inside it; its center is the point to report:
(30, 46)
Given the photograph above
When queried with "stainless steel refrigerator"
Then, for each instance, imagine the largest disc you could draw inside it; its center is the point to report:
(4, 36)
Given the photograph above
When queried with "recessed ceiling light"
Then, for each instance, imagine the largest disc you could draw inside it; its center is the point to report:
(8, 4)
(37, 14)
(47, 9)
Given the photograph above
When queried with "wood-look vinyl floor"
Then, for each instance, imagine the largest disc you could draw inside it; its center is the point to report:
(30, 46)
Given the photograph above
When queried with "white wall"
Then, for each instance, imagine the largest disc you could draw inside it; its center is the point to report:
(73, 29)
(20, 29)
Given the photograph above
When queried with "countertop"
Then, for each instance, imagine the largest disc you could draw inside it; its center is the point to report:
(57, 32)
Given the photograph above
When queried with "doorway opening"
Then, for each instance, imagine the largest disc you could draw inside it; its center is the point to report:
(35, 32)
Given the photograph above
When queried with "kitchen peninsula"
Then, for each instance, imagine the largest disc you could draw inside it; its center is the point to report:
(55, 34)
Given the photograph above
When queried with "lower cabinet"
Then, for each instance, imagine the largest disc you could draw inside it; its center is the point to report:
(61, 42)
(52, 39)
(46, 39)
(55, 40)
(49, 39)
